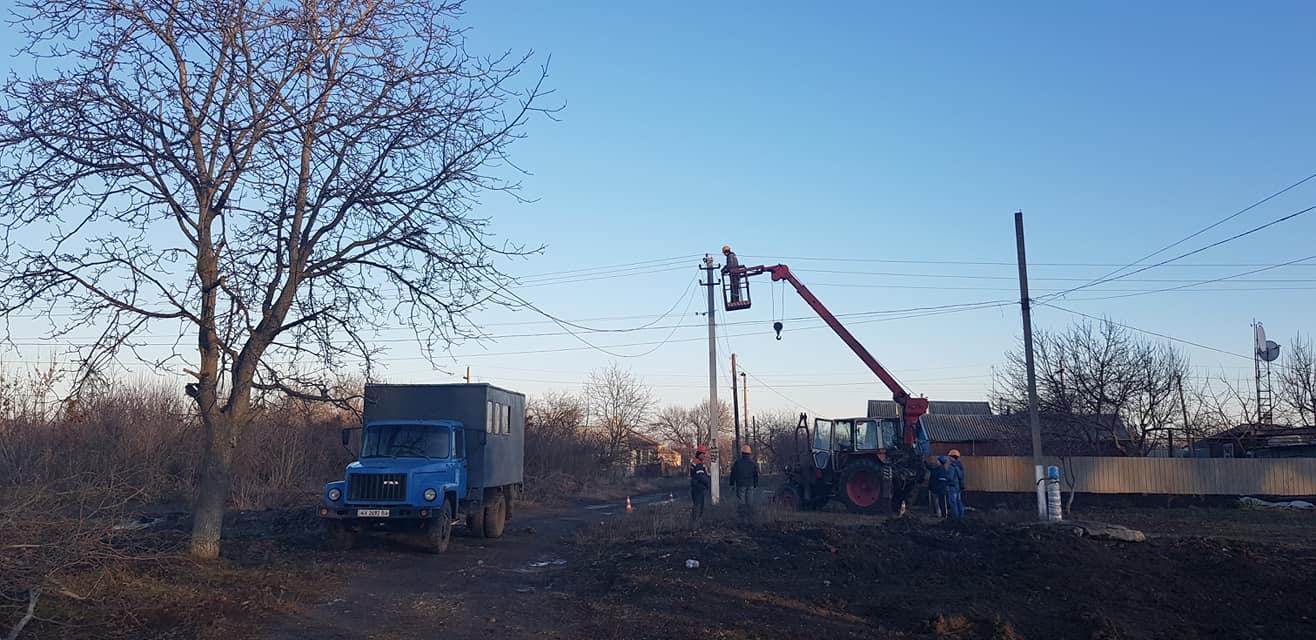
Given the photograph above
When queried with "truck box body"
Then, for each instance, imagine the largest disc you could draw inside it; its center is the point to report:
(493, 420)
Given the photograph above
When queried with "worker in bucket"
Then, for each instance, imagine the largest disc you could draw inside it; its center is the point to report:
(732, 264)
(955, 491)
(745, 479)
(700, 483)
(939, 487)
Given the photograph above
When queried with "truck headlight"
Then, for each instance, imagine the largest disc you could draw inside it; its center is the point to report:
(335, 494)
(431, 495)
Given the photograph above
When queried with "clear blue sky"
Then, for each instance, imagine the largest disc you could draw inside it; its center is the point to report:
(855, 133)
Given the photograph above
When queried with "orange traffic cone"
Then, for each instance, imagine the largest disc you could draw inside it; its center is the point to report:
(629, 508)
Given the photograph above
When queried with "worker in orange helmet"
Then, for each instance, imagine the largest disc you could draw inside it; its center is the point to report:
(745, 479)
(700, 483)
(955, 488)
(730, 268)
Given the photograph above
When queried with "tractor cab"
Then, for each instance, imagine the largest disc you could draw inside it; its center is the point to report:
(735, 290)
(834, 440)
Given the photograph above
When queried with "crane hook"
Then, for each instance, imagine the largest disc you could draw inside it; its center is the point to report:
(776, 326)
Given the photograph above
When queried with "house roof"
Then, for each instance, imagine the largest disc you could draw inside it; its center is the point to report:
(987, 428)
(889, 408)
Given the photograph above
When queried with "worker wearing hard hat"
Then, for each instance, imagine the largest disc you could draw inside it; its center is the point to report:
(745, 479)
(730, 266)
(700, 482)
(939, 486)
(955, 490)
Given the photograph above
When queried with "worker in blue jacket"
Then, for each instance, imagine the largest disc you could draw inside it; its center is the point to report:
(700, 483)
(939, 486)
(955, 490)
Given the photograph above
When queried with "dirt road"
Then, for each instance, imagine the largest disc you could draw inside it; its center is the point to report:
(508, 587)
(592, 571)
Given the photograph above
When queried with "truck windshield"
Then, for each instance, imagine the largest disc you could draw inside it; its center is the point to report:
(406, 441)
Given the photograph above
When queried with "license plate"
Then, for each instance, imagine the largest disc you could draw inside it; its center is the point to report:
(372, 513)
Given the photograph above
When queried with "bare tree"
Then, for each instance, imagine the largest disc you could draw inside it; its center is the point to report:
(676, 425)
(776, 436)
(688, 428)
(555, 434)
(622, 402)
(1297, 381)
(273, 179)
(1102, 384)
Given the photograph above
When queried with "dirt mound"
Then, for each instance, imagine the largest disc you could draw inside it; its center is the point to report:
(912, 578)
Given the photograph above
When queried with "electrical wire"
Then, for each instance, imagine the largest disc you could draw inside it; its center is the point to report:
(1190, 253)
(1150, 333)
(1201, 282)
(1212, 225)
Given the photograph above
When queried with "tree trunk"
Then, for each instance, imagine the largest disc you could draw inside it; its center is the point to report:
(212, 490)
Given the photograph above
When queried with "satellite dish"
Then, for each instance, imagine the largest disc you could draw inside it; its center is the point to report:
(1259, 335)
(1270, 352)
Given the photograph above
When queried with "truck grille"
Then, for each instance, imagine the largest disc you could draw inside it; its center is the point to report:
(384, 487)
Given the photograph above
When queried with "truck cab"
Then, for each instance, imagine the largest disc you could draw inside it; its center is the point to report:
(431, 456)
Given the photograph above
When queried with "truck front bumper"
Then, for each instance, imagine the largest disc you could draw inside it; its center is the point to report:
(378, 513)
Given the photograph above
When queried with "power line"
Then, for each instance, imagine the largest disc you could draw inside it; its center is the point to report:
(1212, 225)
(1150, 333)
(1193, 252)
(1201, 282)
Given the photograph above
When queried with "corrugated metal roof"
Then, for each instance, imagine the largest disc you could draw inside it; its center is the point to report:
(953, 428)
(888, 408)
(989, 428)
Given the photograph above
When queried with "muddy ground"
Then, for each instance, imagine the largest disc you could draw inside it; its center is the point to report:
(593, 571)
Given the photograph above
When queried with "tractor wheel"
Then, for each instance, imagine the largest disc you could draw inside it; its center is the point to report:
(861, 487)
(495, 516)
(788, 499)
(439, 533)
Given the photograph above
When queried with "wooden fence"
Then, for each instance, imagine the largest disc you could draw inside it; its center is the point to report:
(1169, 476)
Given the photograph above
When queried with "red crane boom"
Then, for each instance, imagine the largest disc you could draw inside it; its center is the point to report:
(911, 408)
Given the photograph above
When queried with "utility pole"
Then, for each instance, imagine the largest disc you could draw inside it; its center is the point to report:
(744, 408)
(1183, 406)
(735, 403)
(468, 374)
(1034, 420)
(711, 283)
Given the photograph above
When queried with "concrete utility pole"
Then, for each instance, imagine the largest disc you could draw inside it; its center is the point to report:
(735, 405)
(1034, 420)
(1183, 406)
(744, 408)
(711, 283)
(468, 375)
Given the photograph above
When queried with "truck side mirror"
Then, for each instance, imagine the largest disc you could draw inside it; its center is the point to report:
(347, 441)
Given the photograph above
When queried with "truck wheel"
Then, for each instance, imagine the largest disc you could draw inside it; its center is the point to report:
(340, 538)
(439, 533)
(475, 522)
(861, 487)
(495, 516)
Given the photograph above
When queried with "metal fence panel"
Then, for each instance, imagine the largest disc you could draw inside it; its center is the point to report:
(1171, 476)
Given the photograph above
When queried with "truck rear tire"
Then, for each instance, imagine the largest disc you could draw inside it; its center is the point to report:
(495, 516)
(861, 487)
(339, 537)
(439, 533)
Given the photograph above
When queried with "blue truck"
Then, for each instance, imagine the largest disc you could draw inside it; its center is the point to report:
(432, 456)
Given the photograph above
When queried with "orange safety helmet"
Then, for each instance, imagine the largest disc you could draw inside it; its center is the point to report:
(746, 449)
(954, 453)
(701, 450)
(726, 248)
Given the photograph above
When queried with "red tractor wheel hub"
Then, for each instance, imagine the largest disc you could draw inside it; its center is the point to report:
(864, 488)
